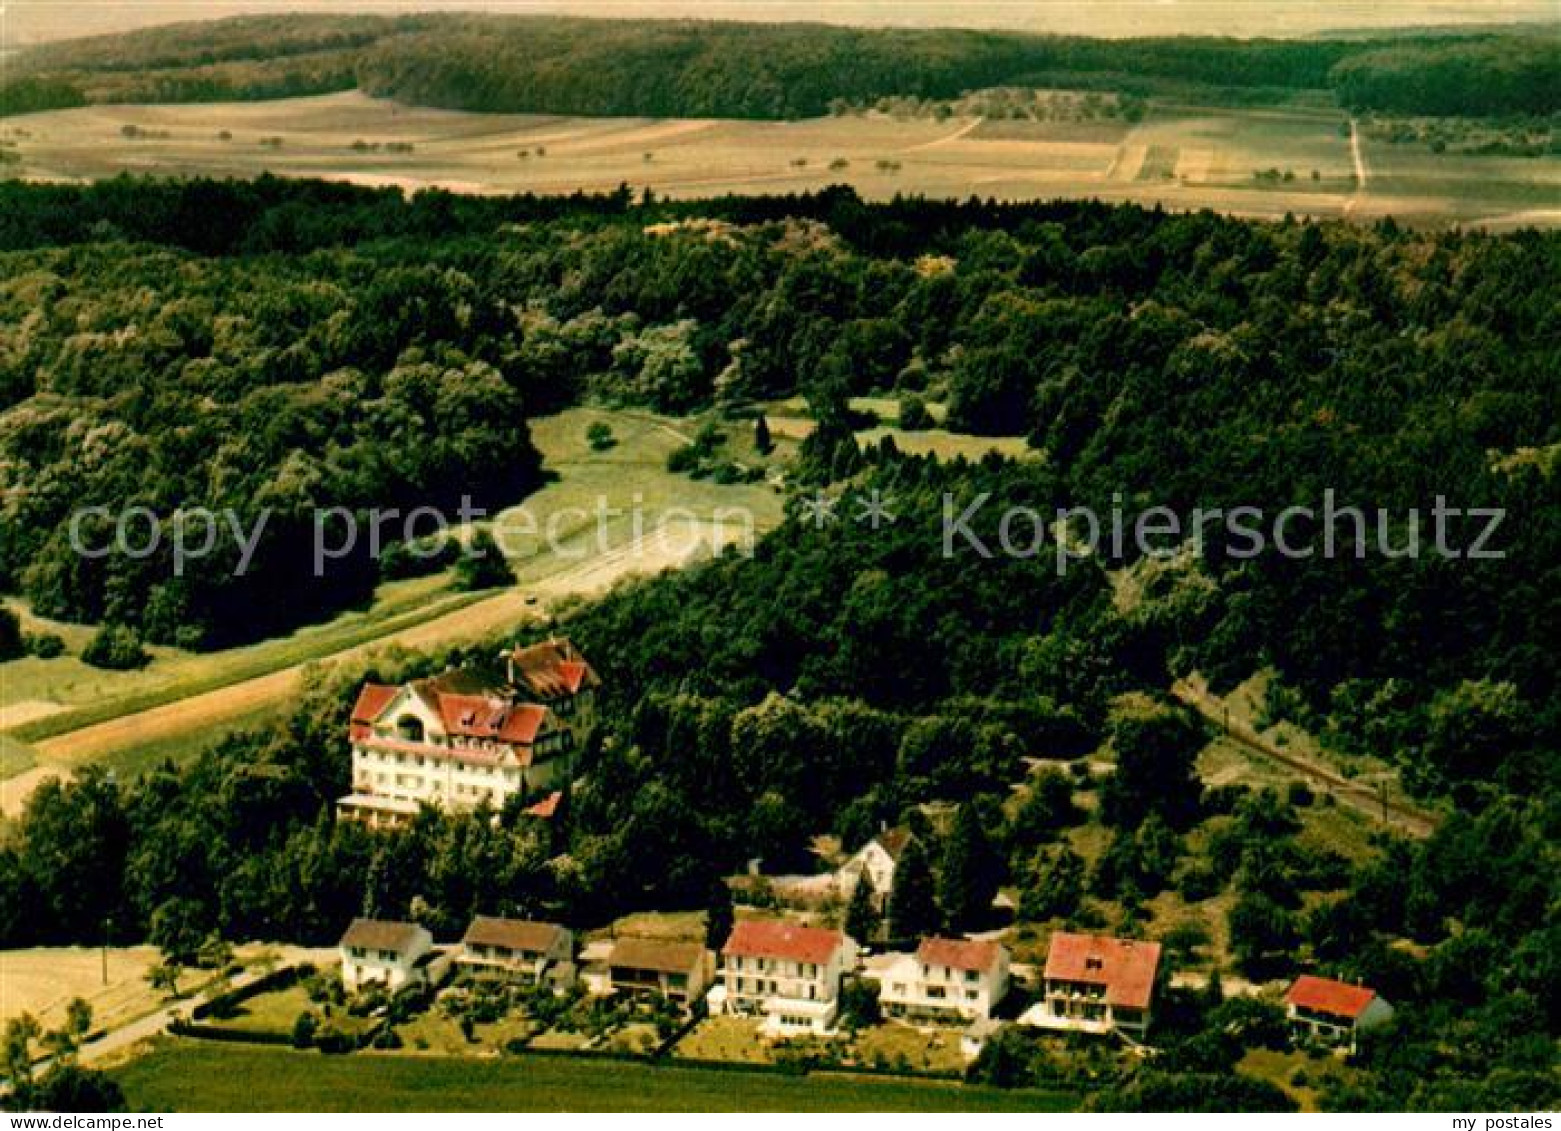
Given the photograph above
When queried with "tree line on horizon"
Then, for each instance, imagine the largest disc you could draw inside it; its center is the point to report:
(683, 68)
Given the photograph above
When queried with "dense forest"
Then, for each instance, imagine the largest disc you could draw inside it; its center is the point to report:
(323, 345)
(715, 69)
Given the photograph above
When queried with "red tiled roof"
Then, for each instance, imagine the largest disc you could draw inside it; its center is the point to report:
(464, 710)
(547, 807)
(373, 699)
(484, 716)
(552, 669)
(775, 938)
(958, 954)
(1324, 995)
(1125, 967)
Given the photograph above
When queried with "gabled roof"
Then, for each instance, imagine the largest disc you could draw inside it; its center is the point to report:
(1324, 995)
(547, 807)
(371, 703)
(776, 938)
(464, 705)
(514, 934)
(381, 934)
(487, 716)
(894, 841)
(959, 954)
(1125, 967)
(659, 955)
(551, 669)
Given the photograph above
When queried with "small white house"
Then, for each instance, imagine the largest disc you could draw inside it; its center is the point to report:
(876, 860)
(946, 979)
(376, 952)
(788, 974)
(1333, 1013)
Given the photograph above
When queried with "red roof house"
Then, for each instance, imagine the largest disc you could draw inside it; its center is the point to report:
(778, 939)
(1333, 1012)
(1097, 984)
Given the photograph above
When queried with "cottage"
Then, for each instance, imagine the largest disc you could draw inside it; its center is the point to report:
(376, 952)
(676, 970)
(1096, 984)
(788, 974)
(877, 861)
(1333, 1013)
(534, 953)
(945, 979)
(453, 742)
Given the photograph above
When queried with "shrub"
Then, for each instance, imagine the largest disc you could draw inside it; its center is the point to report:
(599, 436)
(914, 416)
(12, 643)
(304, 1030)
(116, 648)
(483, 565)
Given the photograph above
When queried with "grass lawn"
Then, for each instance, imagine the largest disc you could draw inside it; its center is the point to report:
(436, 1033)
(1280, 1069)
(725, 1038)
(273, 1012)
(893, 1045)
(182, 1075)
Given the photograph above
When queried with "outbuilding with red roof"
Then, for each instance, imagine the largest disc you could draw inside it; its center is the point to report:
(1325, 1011)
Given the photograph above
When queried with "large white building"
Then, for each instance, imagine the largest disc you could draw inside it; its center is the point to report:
(456, 740)
(947, 979)
(388, 954)
(790, 975)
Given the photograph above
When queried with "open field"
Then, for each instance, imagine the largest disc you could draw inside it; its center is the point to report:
(34, 21)
(41, 980)
(192, 1076)
(77, 715)
(1183, 157)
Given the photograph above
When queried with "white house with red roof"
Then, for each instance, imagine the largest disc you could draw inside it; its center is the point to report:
(786, 973)
(1097, 984)
(1334, 1013)
(950, 979)
(452, 742)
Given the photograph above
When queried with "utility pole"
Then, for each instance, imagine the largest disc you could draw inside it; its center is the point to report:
(108, 925)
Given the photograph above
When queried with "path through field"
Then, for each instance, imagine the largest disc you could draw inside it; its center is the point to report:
(1360, 168)
(665, 547)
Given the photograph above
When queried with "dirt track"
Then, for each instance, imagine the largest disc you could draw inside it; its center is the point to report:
(657, 550)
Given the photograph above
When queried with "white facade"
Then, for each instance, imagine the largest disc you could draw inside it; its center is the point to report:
(911, 986)
(407, 756)
(793, 994)
(1332, 1029)
(384, 958)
